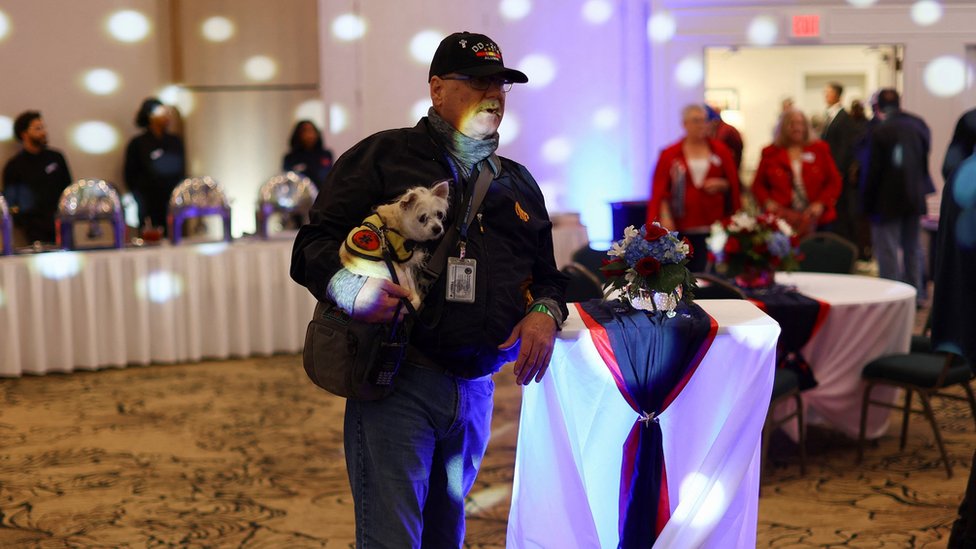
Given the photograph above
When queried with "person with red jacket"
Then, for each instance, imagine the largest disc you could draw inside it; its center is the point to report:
(797, 178)
(695, 184)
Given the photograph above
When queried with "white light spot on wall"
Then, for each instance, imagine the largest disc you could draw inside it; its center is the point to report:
(419, 109)
(101, 81)
(95, 137)
(260, 68)
(689, 72)
(695, 487)
(557, 150)
(515, 9)
(926, 12)
(945, 76)
(128, 26)
(338, 118)
(348, 27)
(606, 118)
(540, 69)
(217, 28)
(313, 109)
(763, 31)
(159, 286)
(862, 3)
(4, 25)
(597, 11)
(6, 128)
(733, 118)
(177, 96)
(424, 44)
(58, 265)
(509, 129)
(661, 27)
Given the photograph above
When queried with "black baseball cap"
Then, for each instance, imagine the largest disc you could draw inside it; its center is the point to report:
(471, 54)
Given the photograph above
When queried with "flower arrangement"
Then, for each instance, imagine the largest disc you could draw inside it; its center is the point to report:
(755, 247)
(648, 267)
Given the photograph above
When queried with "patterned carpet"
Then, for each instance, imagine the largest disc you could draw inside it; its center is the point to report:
(247, 453)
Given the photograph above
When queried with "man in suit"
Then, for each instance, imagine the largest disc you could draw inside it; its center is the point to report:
(841, 133)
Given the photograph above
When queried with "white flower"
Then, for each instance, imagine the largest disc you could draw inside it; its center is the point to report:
(630, 233)
(683, 248)
(742, 221)
(617, 249)
(784, 227)
(630, 276)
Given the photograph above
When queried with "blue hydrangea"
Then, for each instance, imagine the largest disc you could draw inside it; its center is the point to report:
(779, 244)
(664, 249)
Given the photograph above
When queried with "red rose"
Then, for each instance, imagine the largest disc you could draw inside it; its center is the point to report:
(760, 248)
(775, 261)
(794, 241)
(733, 246)
(691, 249)
(647, 266)
(654, 232)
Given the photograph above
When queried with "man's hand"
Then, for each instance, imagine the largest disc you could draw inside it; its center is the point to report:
(538, 334)
(377, 300)
(714, 185)
(814, 210)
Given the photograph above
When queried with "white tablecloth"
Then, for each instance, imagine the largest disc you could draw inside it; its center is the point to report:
(86, 310)
(869, 318)
(574, 423)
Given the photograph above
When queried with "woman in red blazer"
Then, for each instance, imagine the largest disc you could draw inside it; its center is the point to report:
(695, 184)
(797, 179)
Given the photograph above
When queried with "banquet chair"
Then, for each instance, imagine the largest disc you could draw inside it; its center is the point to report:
(922, 343)
(786, 386)
(923, 373)
(591, 260)
(583, 284)
(827, 253)
(714, 287)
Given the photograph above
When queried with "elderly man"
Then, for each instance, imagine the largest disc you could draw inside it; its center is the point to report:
(33, 180)
(414, 455)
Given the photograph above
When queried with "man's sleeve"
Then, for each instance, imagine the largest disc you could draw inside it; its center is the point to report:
(962, 146)
(547, 282)
(351, 189)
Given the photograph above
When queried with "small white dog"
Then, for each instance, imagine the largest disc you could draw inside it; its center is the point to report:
(415, 216)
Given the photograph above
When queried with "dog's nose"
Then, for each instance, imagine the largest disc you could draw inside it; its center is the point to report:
(436, 229)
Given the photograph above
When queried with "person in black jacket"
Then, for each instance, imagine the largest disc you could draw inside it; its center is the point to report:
(33, 180)
(894, 188)
(155, 162)
(308, 155)
(414, 455)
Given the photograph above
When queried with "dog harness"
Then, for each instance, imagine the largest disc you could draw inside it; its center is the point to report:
(366, 241)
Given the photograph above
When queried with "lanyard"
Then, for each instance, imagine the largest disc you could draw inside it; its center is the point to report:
(465, 221)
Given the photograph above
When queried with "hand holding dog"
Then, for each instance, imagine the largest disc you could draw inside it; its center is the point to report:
(537, 331)
(377, 300)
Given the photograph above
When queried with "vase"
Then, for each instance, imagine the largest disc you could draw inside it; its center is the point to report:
(644, 299)
(754, 277)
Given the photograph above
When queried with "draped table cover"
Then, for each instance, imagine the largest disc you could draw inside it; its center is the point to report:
(574, 423)
(110, 308)
(869, 317)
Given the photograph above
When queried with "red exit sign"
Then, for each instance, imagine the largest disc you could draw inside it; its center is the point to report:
(806, 26)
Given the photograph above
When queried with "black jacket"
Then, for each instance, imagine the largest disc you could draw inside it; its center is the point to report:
(512, 243)
(897, 178)
(32, 184)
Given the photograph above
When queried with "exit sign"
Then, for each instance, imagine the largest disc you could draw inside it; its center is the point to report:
(805, 26)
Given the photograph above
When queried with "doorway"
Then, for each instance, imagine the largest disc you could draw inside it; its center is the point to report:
(750, 84)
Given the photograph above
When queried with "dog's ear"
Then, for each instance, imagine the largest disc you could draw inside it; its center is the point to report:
(408, 199)
(441, 189)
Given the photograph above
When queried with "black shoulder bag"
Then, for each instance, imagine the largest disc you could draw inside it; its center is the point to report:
(359, 360)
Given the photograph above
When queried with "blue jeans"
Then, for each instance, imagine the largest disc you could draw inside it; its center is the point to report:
(413, 456)
(888, 237)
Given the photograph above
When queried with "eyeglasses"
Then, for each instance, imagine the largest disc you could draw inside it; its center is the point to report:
(482, 83)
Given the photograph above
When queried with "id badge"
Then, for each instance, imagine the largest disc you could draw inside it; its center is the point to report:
(461, 279)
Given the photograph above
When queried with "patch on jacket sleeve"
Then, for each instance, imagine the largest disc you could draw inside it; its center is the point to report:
(366, 240)
(522, 214)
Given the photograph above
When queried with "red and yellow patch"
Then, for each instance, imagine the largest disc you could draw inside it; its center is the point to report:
(366, 240)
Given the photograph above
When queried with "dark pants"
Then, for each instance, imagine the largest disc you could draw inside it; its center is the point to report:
(413, 456)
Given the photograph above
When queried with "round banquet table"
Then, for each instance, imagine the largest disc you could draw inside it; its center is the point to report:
(869, 317)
